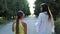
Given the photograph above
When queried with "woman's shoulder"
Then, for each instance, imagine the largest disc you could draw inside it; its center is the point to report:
(41, 14)
(24, 23)
(14, 21)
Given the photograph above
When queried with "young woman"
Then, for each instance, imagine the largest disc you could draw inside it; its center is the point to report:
(19, 27)
(45, 22)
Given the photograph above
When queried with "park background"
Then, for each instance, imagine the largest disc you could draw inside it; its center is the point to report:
(31, 8)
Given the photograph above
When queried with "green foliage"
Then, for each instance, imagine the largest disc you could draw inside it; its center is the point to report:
(8, 8)
(4, 21)
(53, 4)
(57, 26)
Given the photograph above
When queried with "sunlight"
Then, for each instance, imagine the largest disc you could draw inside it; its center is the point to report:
(31, 5)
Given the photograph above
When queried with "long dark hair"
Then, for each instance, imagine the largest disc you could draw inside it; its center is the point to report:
(45, 9)
(18, 16)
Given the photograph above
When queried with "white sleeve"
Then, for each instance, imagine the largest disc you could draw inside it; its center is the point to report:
(53, 26)
(38, 23)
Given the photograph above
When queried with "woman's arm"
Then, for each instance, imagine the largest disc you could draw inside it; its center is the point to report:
(13, 26)
(25, 28)
(38, 22)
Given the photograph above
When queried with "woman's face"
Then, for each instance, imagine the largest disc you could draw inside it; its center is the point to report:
(41, 8)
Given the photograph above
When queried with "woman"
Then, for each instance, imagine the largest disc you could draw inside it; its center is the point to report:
(45, 22)
(19, 27)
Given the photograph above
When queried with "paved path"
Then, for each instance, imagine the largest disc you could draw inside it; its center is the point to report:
(6, 29)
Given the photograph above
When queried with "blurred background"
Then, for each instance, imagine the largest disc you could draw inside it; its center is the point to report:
(31, 8)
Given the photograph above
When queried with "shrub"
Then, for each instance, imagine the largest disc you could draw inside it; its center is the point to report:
(57, 26)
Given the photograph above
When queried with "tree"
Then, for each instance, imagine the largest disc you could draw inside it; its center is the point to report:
(53, 4)
(8, 8)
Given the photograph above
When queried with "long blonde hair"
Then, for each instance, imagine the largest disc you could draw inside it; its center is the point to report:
(52, 20)
(50, 13)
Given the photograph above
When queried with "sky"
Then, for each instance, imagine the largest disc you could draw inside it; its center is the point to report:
(31, 5)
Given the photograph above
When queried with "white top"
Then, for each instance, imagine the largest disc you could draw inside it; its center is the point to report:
(43, 25)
